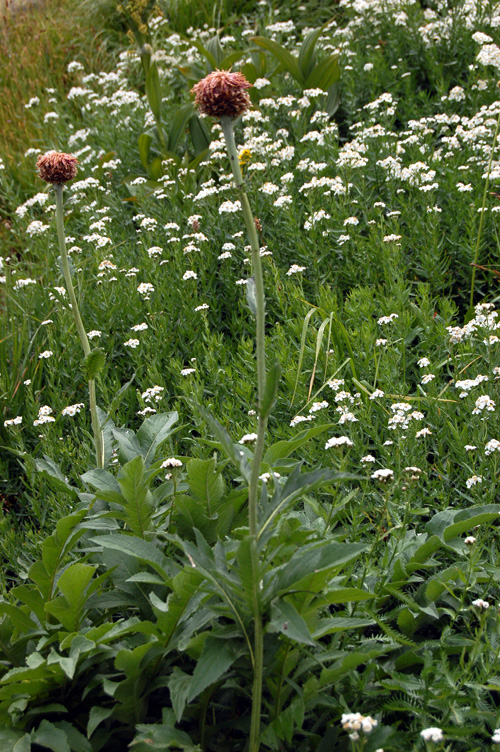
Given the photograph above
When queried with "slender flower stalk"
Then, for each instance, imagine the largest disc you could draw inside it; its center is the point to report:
(228, 132)
(224, 95)
(57, 169)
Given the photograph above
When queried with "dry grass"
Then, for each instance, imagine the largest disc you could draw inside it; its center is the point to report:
(37, 40)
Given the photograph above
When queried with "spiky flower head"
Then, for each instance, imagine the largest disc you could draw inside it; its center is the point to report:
(222, 94)
(57, 167)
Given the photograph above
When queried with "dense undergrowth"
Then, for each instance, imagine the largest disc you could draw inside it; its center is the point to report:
(128, 595)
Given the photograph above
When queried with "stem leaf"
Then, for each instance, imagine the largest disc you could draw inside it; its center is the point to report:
(93, 363)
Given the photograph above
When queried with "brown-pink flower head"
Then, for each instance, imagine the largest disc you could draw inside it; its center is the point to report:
(222, 94)
(57, 167)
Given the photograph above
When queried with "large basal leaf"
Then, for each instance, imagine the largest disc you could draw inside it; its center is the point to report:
(128, 445)
(73, 584)
(307, 53)
(177, 125)
(232, 450)
(451, 523)
(52, 472)
(296, 485)
(282, 55)
(206, 483)
(200, 135)
(284, 448)
(217, 656)
(142, 550)
(153, 432)
(138, 499)
(286, 620)
(153, 90)
(309, 560)
(271, 390)
(325, 74)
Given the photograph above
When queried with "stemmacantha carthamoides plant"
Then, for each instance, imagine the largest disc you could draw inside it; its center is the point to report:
(57, 168)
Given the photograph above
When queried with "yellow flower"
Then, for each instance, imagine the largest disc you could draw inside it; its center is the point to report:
(245, 157)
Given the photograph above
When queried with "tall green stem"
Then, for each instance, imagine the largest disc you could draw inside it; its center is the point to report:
(481, 219)
(98, 438)
(253, 491)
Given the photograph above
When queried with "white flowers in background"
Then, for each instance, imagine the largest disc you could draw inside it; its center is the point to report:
(318, 406)
(336, 384)
(145, 289)
(338, 441)
(45, 355)
(481, 38)
(224, 255)
(187, 371)
(133, 343)
(423, 432)
(423, 362)
(283, 201)
(376, 394)
(171, 462)
(367, 458)
(269, 188)
(155, 250)
(492, 446)
(13, 421)
(189, 275)
(432, 734)
(139, 327)
(295, 269)
(495, 739)
(355, 722)
(473, 481)
(470, 447)
(470, 540)
(74, 67)
(94, 333)
(20, 283)
(467, 384)
(427, 378)
(72, 410)
(153, 394)
(380, 342)
(202, 307)
(351, 221)
(301, 419)
(248, 438)
(36, 228)
(383, 475)
(480, 604)
(387, 319)
(44, 416)
(316, 217)
(230, 207)
(484, 403)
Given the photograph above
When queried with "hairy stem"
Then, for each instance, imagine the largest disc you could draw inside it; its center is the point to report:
(98, 438)
(228, 131)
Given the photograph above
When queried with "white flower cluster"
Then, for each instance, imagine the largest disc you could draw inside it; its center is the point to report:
(432, 734)
(44, 416)
(338, 441)
(153, 394)
(72, 410)
(355, 722)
